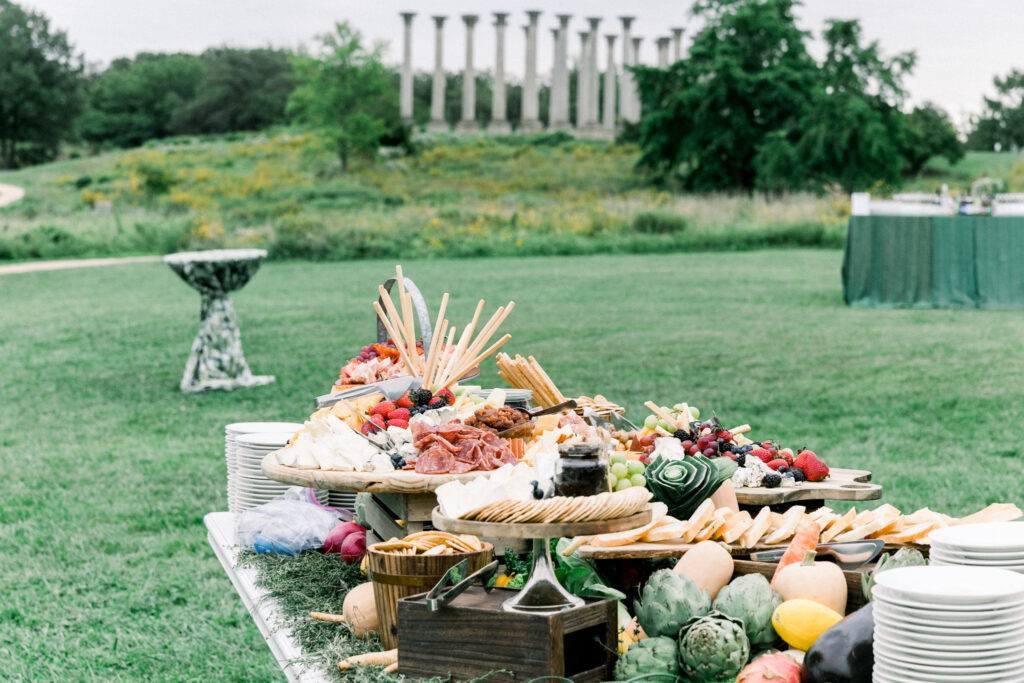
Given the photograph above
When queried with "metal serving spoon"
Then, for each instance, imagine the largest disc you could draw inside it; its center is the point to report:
(848, 555)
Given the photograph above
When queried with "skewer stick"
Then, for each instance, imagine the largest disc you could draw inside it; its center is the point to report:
(435, 342)
(391, 330)
(397, 330)
(464, 339)
(656, 409)
(470, 363)
(448, 345)
(742, 429)
(491, 327)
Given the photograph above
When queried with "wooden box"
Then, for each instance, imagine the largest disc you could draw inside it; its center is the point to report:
(472, 636)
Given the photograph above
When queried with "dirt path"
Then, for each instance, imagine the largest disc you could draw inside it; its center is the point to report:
(34, 266)
(10, 194)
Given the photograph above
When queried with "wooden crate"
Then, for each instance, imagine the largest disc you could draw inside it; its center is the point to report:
(854, 593)
(472, 636)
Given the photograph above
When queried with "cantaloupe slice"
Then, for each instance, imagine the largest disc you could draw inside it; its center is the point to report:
(700, 517)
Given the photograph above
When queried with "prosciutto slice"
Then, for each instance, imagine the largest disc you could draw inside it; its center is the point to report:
(455, 448)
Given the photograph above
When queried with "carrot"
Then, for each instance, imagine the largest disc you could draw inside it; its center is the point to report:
(324, 616)
(385, 658)
(391, 668)
(806, 539)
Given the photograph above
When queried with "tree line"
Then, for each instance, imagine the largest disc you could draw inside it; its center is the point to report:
(748, 108)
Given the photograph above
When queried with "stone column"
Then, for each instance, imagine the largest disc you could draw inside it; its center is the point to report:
(582, 82)
(663, 52)
(608, 115)
(437, 121)
(677, 44)
(468, 123)
(628, 87)
(559, 116)
(405, 86)
(531, 106)
(499, 120)
(636, 93)
(594, 107)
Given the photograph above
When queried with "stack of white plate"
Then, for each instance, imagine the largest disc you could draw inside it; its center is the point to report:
(959, 624)
(997, 544)
(247, 485)
(342, 499)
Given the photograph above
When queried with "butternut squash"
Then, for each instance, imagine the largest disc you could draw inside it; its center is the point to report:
(822, 582)
(360, 611)
(708, 565)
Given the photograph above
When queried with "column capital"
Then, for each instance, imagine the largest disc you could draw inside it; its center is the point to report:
(627, 21)
(470, 19)
(594, 21)
(533, 14)
(563, 19)
(407, 16)
(664, 41)
(610, 37)
(499, 18)
(439, 19)
(677, 32)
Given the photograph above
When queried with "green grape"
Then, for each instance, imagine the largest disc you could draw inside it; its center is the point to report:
(664, 424)
(636, 467)
(695, 413)
(623, 484)
(651, 421)
(678, 407)
(619, 470)
(617, 457)
(638, 480)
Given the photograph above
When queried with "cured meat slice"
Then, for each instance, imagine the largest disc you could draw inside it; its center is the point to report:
(461, 467)
(420, 430)
(435, 460)
(431, 440)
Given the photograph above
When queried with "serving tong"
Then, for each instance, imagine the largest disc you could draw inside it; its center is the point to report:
(557, 408)
(450, 586)
(847, 554)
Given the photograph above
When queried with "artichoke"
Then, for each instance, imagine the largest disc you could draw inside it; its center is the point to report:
(668, 601)
(713, 648)
(904, 557)
(751, 599)
(648, 656)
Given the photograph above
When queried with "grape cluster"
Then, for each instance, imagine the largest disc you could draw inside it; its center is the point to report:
(708, 438)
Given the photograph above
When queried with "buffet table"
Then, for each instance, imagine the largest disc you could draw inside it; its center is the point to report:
(934, 261)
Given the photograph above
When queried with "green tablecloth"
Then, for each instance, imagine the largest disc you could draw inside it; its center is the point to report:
(934, 261)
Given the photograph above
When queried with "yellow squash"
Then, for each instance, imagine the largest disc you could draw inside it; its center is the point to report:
(799, 622)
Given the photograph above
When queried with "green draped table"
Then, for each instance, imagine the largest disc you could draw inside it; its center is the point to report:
(934, 261)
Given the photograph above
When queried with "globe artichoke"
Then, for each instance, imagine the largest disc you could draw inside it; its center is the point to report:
(668, 601)
(713, 648)
(904, 557)
(648, 656)
(751, 599)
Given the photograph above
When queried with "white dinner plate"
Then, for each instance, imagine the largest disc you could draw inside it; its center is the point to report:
(925, 667)
(937, 609)
(953, 643)
(1000, 563)
(237, 428)
(986, 624)
(977, 554)
(975, 663)
(1001, 536)
(951, 585)
(898, 674)
(261, 439)
(1008, 654)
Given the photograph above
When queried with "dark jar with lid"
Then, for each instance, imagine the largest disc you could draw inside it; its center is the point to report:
(582, 470)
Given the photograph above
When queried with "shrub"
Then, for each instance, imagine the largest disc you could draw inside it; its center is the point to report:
(659, 223)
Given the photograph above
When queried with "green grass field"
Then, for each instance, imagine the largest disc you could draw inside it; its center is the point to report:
(108, 469)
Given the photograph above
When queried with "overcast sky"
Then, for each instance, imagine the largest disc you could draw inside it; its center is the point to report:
(960, 45)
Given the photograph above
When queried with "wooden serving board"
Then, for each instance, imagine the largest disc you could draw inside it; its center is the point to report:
(402, 481)
(659, 550)
(840, 485)
(553, 530)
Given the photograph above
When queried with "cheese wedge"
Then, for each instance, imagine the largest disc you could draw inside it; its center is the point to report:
(658, 511)
(839, 526)
(996, 512)
(752, 535)
(892, 527)
(700, 517)
(822, 512)
(736, 526)
(666, 532)
(859, 532)
(712, 527)
(912, 534)
(785, 530)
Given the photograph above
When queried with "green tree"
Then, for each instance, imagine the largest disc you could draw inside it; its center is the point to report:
(134, 100)
(930, 133)
(852, 135)
(1002, 122)
(346, 92)
(240, 90)
(747, 77)
(40, 86)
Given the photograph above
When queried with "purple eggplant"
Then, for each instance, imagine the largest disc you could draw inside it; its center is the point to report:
(844, 653)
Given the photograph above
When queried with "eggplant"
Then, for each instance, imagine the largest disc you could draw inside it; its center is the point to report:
(845, 653)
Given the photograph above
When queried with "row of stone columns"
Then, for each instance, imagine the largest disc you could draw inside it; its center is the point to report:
(595, 117)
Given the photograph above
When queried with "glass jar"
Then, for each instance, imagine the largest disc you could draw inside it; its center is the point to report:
(582, 470)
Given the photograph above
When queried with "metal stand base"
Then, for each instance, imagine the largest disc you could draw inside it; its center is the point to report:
(542, 593)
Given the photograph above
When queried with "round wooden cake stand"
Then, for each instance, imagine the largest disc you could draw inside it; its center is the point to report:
(402, 481)
(542, 593)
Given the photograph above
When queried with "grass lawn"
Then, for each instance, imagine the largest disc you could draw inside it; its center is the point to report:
(108, 470)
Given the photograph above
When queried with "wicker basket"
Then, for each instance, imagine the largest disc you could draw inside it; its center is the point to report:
(399, 576)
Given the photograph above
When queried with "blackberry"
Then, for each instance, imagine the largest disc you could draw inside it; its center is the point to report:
(741, 459)
(421, 397)
(681, 434)
(772, 480)
(798, 474)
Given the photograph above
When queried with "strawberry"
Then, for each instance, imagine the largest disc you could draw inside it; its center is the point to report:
(404, 402)
(404, 424)
(763, 453)
(447, 393)
(724, 434)
(378, 420)
(399, 414)
(777, 463)
(367, 428)
(382, 408)
(801, 457)
(814, 468)
(436, 402)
